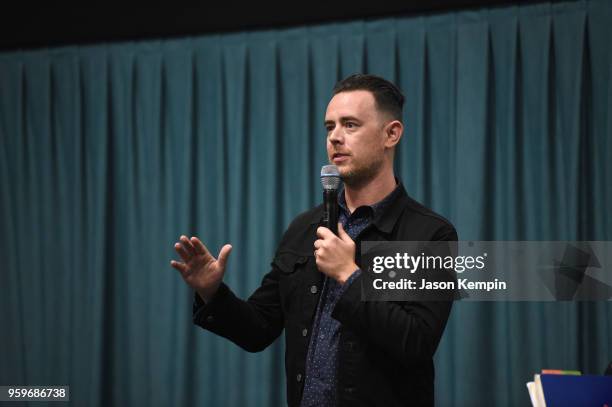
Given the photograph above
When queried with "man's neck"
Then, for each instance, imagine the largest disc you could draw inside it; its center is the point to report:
(371, 192)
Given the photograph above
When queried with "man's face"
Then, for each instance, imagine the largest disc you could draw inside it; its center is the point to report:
(355, 135)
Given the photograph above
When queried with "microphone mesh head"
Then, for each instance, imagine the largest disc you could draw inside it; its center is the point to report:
(330, 177)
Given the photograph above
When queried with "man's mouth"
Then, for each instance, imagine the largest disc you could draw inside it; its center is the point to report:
(339, 157)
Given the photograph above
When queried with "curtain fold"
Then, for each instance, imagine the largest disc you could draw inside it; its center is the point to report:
(108, 153)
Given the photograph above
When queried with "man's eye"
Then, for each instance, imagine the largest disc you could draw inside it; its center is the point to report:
(350, 125)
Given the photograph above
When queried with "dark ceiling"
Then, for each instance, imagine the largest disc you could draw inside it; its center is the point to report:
(62, 25)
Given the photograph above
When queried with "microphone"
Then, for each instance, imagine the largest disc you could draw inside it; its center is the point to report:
(330, 179)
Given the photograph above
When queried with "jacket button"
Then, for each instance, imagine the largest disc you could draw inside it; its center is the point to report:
(298, 377)
(313, 289)
(304, 332)
(210, 318)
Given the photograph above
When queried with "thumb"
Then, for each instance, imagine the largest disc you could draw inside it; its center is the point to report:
(342, 233)
(223, 255)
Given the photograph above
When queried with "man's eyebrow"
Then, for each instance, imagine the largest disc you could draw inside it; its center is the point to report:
(343, 119)
(349, 118)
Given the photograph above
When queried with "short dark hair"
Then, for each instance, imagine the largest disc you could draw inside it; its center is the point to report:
(388, 97)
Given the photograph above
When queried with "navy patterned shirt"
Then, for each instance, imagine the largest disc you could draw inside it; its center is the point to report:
(321, 363)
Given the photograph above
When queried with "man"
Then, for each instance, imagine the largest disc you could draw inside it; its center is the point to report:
(340, 350)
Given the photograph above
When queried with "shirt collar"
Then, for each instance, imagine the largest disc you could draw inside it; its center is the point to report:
(385, 219)
(375, 210)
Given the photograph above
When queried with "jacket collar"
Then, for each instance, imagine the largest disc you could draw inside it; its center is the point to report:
(386, 220)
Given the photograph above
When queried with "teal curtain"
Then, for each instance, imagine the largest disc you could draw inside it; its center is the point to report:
(109, 152)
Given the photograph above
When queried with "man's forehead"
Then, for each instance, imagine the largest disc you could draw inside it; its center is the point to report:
(353, 102)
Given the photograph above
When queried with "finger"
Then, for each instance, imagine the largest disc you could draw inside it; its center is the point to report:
(199, 246)
(180, 249)
(342, 233)
(223, 255)
(181, 267)
(318, 244)
(187, 245)
(324, 233)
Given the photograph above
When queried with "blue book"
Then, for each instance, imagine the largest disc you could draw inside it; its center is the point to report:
(577, 391)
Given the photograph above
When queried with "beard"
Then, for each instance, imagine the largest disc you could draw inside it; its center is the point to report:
(361, 173)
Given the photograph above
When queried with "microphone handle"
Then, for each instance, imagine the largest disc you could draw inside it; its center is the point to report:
(330, 217)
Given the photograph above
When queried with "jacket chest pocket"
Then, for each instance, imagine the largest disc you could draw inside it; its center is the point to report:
(294, 269)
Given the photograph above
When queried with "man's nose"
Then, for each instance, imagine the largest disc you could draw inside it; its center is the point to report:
(335, 136)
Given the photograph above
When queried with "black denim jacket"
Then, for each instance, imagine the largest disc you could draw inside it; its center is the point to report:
(386, 348)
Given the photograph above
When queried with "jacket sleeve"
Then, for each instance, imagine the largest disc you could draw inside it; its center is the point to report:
(255, 323)
(408, 331)
(252, 324)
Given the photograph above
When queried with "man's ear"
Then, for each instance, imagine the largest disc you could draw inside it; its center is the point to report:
(393, 132)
